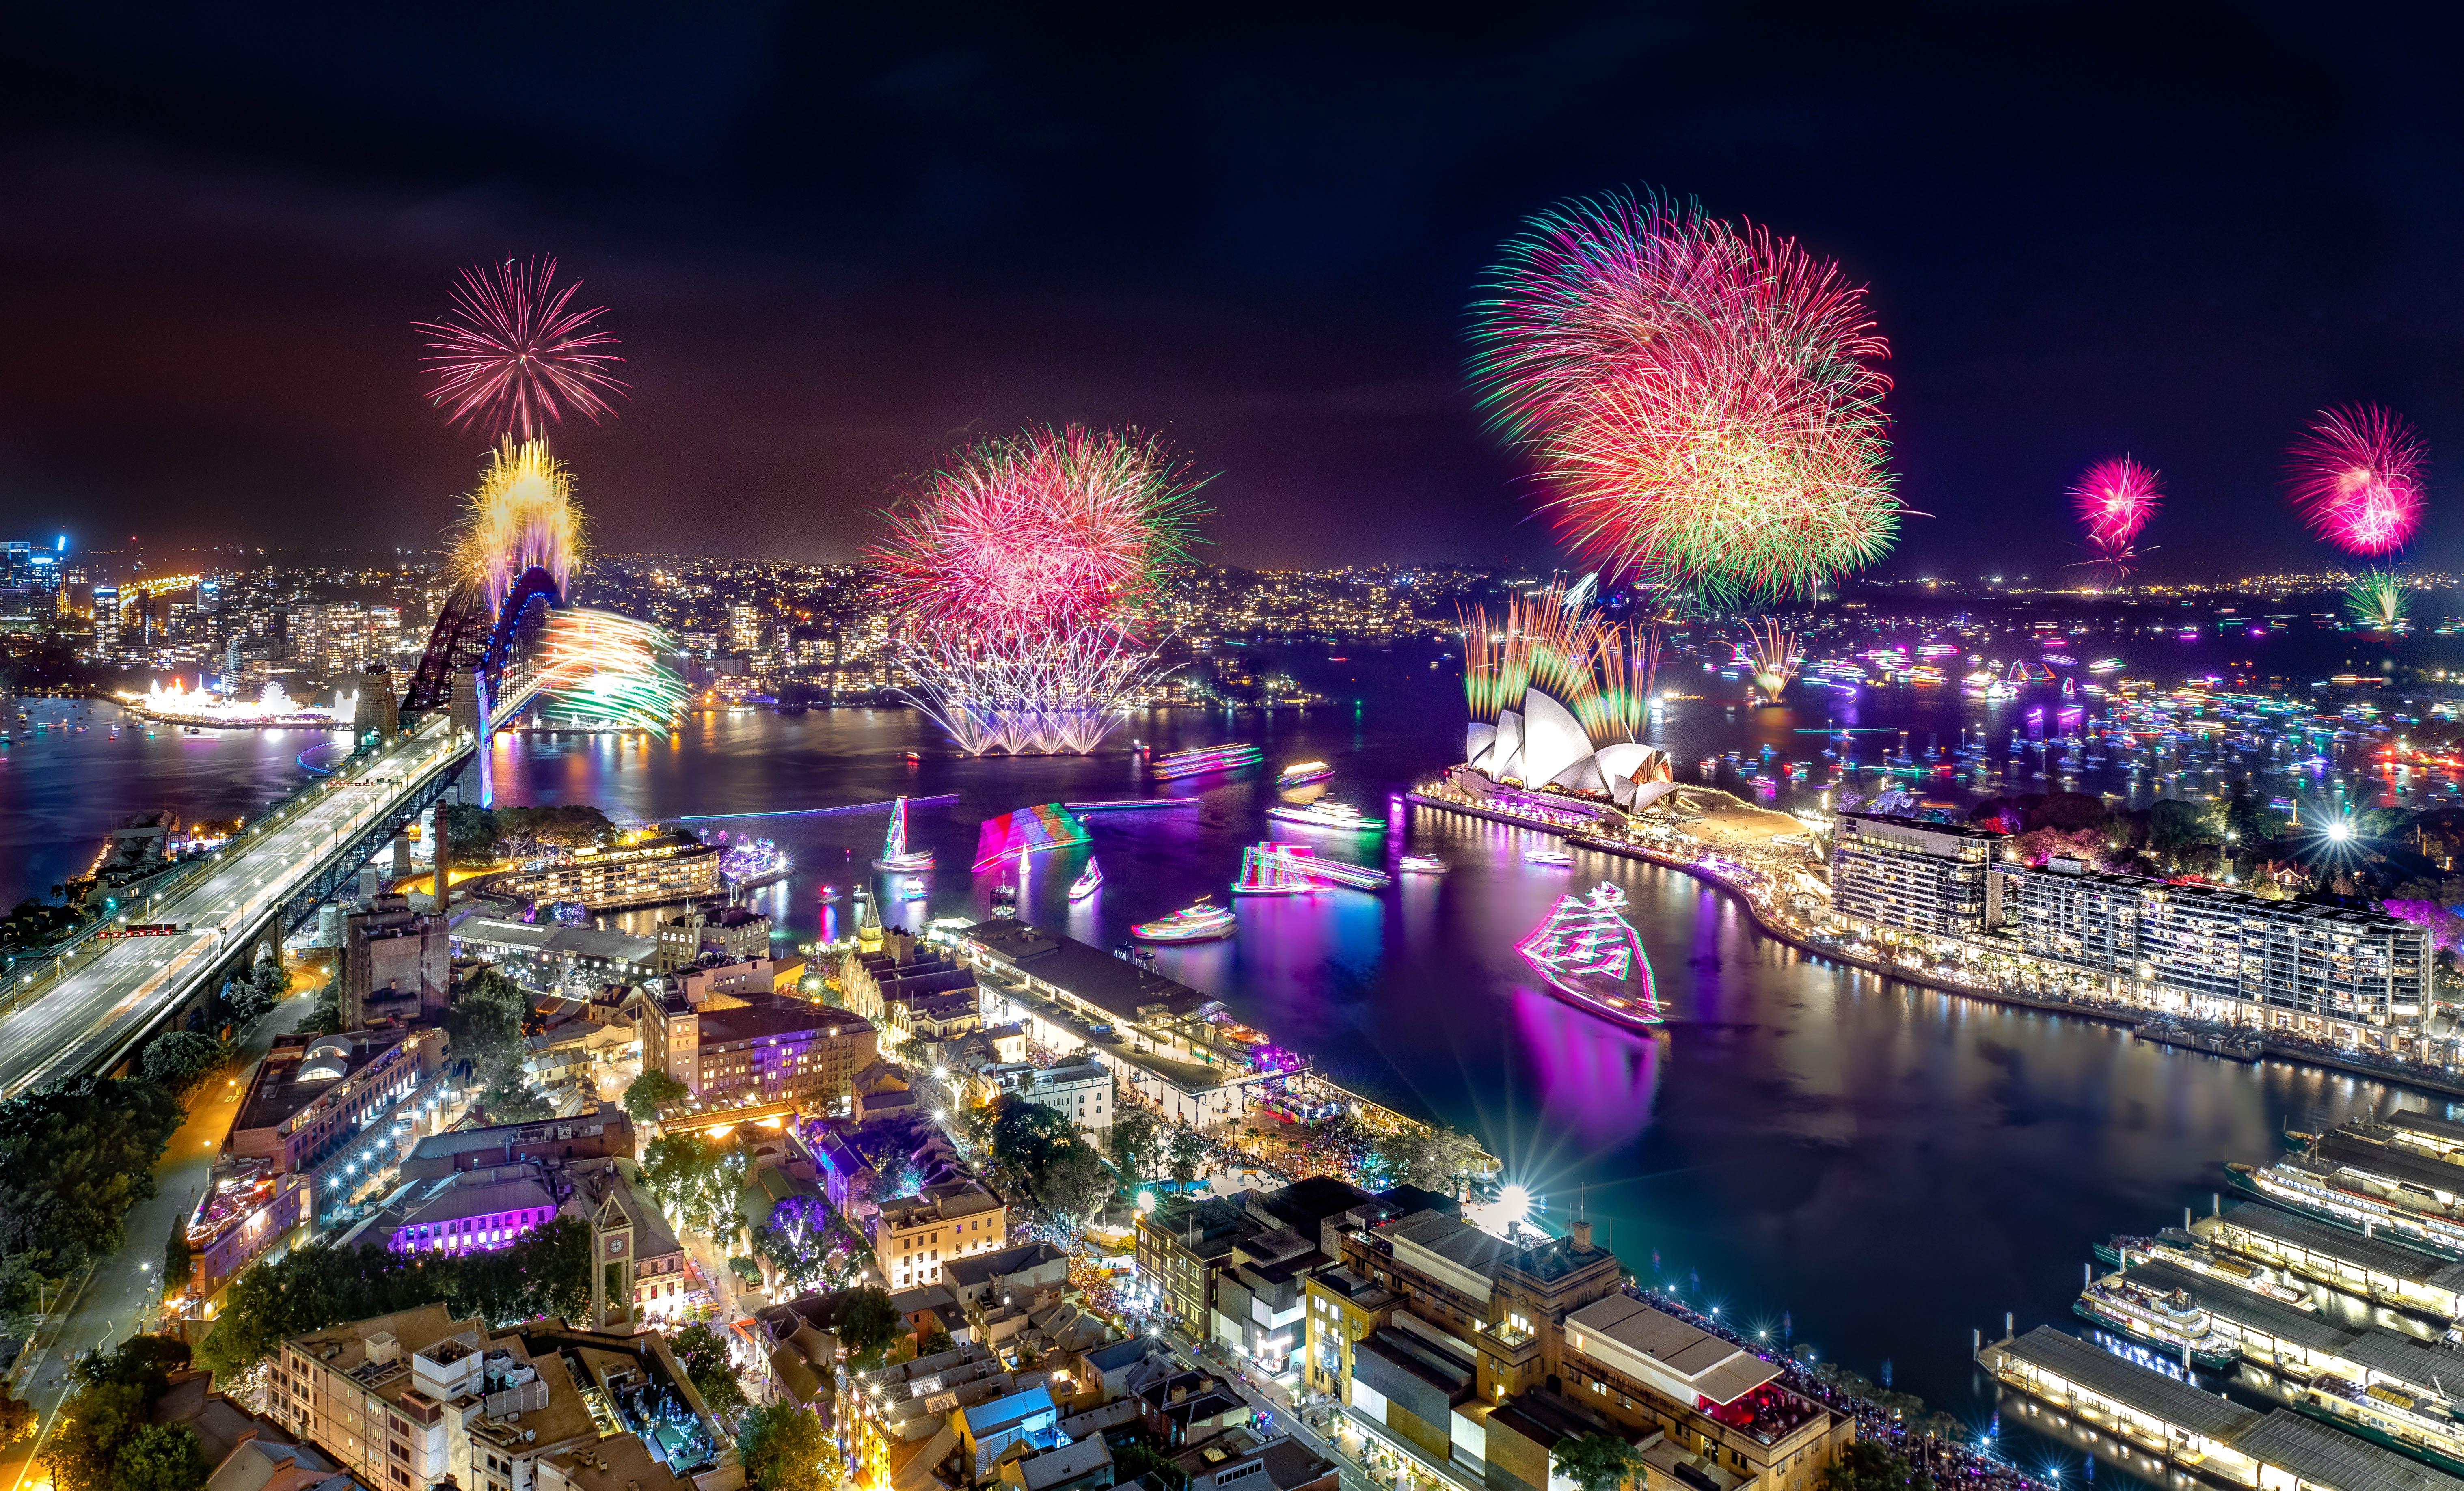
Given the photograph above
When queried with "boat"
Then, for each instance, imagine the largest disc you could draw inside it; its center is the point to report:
(826, 892)
(1090, 881)
(2105, 664)
(1194, 923)
(1300, 772)
(2170, 1323)
(1339, 872)
(1205, 759)
(895, 855)
(1556, 857)
(913, 758)
(910, 889)
(1326, 815)
(1591, 957)
(1268, 869)
(1421, 864)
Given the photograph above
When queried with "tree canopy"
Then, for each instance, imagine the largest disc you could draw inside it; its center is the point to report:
(868, 1324)
(102, 1441)
(703, 1354)
(1596, 1461)
(697, 1182)
(786, 1448)
(650, 1092)
(75, 1156)
(176, 1061)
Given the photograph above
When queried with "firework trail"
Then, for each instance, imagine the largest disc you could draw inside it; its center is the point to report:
(2357, 479)
(522, 516)
(1702, 401)
(611, 668)
(1776, 656)
(1021, 573)
(2377, 599)
(514, 353)
(1600, 671)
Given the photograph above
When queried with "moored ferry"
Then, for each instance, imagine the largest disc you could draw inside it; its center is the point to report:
(2370, 1187)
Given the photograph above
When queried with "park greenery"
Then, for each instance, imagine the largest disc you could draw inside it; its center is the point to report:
(547, 1273)
(698, 1181)
(75, 1158)
(486, 836)
(103, 1442)
(1596, 1461)
(488, 1023)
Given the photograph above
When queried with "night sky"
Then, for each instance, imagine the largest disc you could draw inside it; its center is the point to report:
(835, 238)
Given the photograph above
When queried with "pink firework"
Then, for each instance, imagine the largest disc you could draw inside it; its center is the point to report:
(2357, 479)
(514, 352)
(2115, 499)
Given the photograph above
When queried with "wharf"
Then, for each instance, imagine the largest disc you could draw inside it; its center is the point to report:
(2324, 1252)
(2300, 1055)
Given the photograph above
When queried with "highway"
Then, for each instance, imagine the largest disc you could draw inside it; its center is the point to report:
(109, 988)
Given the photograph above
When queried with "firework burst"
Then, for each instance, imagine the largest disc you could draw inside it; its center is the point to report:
(613, 668)
(514, 353)
(2377, 599)
(2115, 499)
(1777, 656)
(2357, 479)
(522, 515)
(1705, 402)
(1602, 672)
(1020, 576)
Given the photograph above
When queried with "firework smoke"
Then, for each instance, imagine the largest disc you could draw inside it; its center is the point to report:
(511, 353)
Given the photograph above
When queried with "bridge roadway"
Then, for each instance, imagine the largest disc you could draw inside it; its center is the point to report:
(112, 992)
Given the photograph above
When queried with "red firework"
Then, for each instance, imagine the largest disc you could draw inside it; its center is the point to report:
(1043, 533)
(2357, 479)
(2115, 499)
(514, 350)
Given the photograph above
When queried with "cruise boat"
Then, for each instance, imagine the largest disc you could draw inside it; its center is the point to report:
(1421, 864)
(1300, 772)
(895, 855)
(1197, 923)
(2171, 1323)
(1556, 857)
(2382, 1190)
(1205, 759)
(1326, 815)
(910, 889)
(1340, 872)
(1592, 959)
(1090, 881)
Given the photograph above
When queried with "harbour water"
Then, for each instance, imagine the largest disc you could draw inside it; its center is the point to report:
(1870, 1169)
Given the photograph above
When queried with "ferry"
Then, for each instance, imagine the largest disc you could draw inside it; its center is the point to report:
(2105, 665)
(1205, 759)
(2171, 1323)
(1268, 869)
(1089, 882)
(1556, 857)
(895, 855)
(910, 889)
(1421, 864)
(2062, 659)
(1197, 923)
(1327, 814)
(1301, 771)
(1341, 872)
(2364, 1196)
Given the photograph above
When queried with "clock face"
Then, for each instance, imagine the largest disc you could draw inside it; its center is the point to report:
(615, 1246)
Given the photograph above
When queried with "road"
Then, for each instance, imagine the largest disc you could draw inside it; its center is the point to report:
(1269, 1400)
(118, 1299)
(111, 988)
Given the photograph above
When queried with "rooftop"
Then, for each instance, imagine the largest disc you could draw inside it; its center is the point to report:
(1117, 986)
(2101, 1372)
(1719, 1370)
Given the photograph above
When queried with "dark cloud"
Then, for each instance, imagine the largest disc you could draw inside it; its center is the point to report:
(834, 240)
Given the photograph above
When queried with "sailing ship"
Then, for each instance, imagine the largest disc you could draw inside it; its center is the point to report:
(1265, 869)
(895, 855)
(1088, 882)
(1190, 923)
(1590, 955)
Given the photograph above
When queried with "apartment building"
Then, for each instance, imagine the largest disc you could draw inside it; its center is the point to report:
(1080, 1092)
(650, 872)
(313, 1094)
(1900, 874)
(755, 1046)
(915, 1236)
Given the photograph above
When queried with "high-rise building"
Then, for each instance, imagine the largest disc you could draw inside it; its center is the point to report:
(1902, 875)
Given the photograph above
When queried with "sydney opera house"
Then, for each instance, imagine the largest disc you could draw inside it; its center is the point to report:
(1572, 743)
(1543, 746)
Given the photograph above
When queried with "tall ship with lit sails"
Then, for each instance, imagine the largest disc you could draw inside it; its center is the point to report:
(895, 855)
(1592, 959)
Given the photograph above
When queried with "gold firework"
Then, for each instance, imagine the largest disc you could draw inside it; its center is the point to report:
(522, 515)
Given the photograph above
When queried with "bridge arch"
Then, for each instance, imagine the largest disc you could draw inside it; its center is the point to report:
(470, 636)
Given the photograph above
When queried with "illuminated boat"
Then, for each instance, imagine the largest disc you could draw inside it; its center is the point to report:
(1300, 772)
(1421, 864)
(911, 891)
(1090, 881)
(1304, 861)
(1197, 923)
(895, 855)
(1266, 869)
(1938, 649)
(1555, 857)
(1327, 814)
(2105, 664)
(2062, 659)
(1589, 955)
(1206, 758)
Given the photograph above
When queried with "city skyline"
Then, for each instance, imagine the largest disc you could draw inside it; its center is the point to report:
(2076, 253)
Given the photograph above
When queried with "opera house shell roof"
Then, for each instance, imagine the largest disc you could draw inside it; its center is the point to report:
(1545, 743)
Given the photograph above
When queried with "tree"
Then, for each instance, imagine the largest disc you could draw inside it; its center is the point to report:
(1187, 1151)
(1139, 1457)
(1869, 1465)
(703, 1354)
(868, 1324)
(84, 1446)
(2176, 826)
(473, 832)
(162, 1457)
(178, 1263)
(1074, 1184)
(75, 1156)
(1137, 1136)
(17, 1417)
(653, 1090)
(1595, 1462)
(807, 1244)
(697, 1182)
(176, 1061)
(934, 1343)
(785, 1448)
(1432, 1158)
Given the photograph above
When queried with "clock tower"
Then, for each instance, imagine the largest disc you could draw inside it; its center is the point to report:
(611, 1266)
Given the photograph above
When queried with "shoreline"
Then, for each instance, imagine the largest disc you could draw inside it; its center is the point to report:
(2127, 1018)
